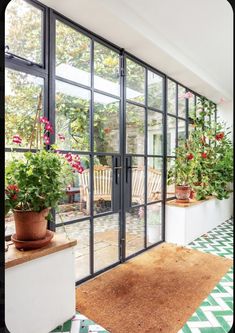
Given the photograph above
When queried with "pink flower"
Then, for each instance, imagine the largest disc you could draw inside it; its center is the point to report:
(221, 101)
(16, 139)
(69, 157)
(61, 137)
(188, 95)
(49, 127)
(46, 139)
(43, 120)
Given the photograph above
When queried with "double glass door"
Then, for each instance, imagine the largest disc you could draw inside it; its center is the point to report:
(109, 111)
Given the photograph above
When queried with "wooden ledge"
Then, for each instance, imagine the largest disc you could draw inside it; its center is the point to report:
(15, 257)
(192, 202)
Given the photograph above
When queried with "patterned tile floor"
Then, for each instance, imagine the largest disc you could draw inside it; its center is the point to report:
(215, 314)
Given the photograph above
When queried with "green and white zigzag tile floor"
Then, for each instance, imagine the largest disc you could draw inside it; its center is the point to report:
(215, 314)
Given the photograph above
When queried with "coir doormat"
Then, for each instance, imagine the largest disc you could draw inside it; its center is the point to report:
(154, 292)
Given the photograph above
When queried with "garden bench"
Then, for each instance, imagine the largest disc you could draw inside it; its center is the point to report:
(103, 184)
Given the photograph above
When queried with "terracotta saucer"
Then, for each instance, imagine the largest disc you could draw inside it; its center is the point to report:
(30, 245)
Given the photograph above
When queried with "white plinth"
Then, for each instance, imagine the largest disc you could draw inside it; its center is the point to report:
(40, 293)
(185, 224)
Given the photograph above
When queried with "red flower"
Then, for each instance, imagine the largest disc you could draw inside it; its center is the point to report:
(219, 136)
(16, 139)
(204, 155)
(189, 156)
(13, 188)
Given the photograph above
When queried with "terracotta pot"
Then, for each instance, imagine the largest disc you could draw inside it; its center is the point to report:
(30, 225)
(182, 193)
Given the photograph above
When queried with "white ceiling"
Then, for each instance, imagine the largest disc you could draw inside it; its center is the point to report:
(189, 40)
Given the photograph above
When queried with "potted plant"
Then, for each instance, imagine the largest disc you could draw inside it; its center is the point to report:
(182, 172)
(204, 162)
(35, 184)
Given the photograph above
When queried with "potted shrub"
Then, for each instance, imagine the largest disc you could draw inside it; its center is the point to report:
(204, 162)
(182, 173)
(35, 184)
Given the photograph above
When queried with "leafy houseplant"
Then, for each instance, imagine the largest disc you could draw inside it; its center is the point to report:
(35, 184)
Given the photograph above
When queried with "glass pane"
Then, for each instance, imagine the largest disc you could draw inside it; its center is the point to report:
(81, 232)
(181, 102)
(23, 105)
(155, 90)
(135, 81)
(24, 34)
(138, 181)
(134, 230)
(106, 124)
(171, 135)
(135, 119)
(154, 180)
(154, 223)
(155, 133)
(72, 117)
(76, 201)
(181, 130)
(170, 189)
(171, 97)
(106, 68)
(191, 106)
(106, 241)
(72, 54)
(103, 180)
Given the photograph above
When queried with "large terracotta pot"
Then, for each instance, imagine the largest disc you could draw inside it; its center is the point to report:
(182, 193)
(30, 225)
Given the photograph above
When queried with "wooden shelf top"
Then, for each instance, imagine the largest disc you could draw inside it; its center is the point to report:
(15, 257)
(191, 203)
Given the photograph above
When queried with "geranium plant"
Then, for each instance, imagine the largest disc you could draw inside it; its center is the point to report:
(38, 180)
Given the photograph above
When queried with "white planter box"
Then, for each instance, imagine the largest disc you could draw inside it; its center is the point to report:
(185, 224)
(154, 233)
(40, 292)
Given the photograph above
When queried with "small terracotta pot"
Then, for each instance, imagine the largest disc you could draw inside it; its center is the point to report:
(30, 225)
(182, 193)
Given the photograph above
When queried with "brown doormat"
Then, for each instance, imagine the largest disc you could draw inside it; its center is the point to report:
(154, 292)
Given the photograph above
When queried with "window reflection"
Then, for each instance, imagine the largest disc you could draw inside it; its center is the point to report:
(72, 117)
(155, 133)
(106, 70)
(135, 81)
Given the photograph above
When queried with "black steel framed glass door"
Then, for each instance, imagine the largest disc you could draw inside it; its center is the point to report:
(143, 157)
(108, 108)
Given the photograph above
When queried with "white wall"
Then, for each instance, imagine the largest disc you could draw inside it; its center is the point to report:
(225, 113)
